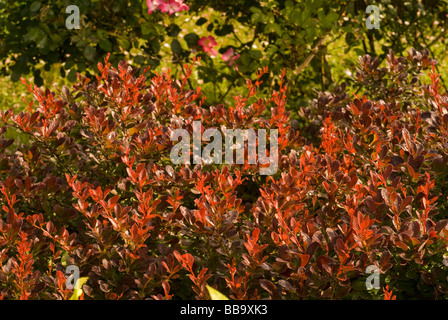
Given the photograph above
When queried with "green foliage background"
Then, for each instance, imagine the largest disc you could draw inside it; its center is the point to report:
(315, 40)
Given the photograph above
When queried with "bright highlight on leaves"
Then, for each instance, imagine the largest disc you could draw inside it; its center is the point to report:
(77, 291)
(215, 294)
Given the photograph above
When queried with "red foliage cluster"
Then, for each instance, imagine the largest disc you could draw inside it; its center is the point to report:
(96, 188)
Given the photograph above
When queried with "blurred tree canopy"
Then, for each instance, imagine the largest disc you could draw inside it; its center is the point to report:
(312, 39)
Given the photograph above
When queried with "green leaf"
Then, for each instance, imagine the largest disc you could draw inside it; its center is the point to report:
(255, 10)
(201, 21)
(42, 44)
(35, 34)
(244, 59)
(35, 6)
(139, 59)
(215, 294)
(255, 18)
(72, 75)
(89, 53)
(77, 291)
(81, 66)
(273, 27)
(256, 54)
(359, 52)
(173, 30)
(146, 28)
(69, 63)
(56, 38)
(349, 38)
(191, 39)
(124, 43)
(15, 76)
(155, 45)
(117, 6)
(332, 17)
(105, 44)
(176, 47)
(296, 16)
(321, 15)
(21, 65)
(224, 30)
(64, 260)
(210, 27)
(289, 4)
(271, 49)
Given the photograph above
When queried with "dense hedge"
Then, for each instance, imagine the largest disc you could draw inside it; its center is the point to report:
(96, 189)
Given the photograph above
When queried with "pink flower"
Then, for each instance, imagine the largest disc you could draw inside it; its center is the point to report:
(207, 44)
(152, 5)
(170, 6)
(173, 6)
(183, 7)
(230, 56)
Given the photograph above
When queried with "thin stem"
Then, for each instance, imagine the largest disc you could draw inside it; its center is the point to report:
(185, 74)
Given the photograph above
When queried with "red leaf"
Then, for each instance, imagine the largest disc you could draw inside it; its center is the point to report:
(268, 286)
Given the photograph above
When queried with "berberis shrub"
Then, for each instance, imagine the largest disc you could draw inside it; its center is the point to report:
(95, 188)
